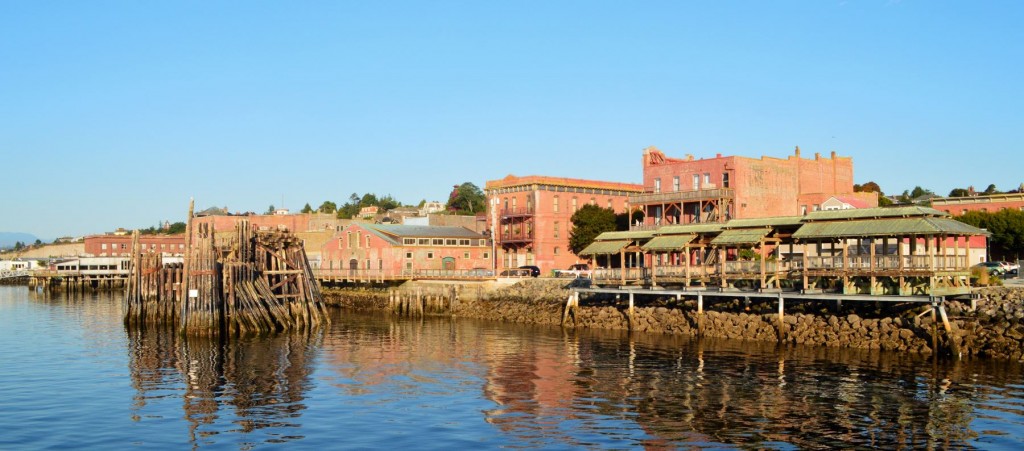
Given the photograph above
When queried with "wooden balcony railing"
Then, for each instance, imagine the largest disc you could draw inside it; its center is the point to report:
(680, 196)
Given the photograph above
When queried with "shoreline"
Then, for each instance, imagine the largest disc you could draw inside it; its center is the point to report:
(994, 330)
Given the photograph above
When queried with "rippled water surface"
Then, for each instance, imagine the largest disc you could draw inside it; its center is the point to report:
(71, 376)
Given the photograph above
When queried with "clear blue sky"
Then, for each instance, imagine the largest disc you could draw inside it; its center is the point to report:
(113, 114)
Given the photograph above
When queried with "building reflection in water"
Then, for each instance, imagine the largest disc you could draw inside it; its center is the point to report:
(236, 386)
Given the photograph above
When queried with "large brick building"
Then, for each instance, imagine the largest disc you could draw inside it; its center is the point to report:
(121, 245)
(688, 190)
(957, 206)
(530, 216)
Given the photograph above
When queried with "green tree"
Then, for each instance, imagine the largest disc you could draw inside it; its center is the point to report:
(18, 245)
(270, 209)
(959, 192)
(421, 204)
(467, 199)
(1007, 229)
(39, 242)
(918, 192)
(307, 208)
(990, 190)
(388, 203)
(327, 207)
(176, 228)
(587, 223)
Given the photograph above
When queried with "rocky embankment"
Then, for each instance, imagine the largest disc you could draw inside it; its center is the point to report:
(994, 329)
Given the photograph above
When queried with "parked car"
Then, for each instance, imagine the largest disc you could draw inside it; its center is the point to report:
(534, 271)
(577, 270)
(993, 268)
(1010, 266)
(516, 272)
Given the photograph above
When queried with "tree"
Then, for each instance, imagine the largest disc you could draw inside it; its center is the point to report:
(990, 190)
(1006, 227)
(39, 242)
(587, 223)
(959, 192)
(918, 192)
(176, 228)
(18, 245)
(388, 203)
(467, 199)
(869, 187)
(307, 208)
(270, 209)
(327, 207)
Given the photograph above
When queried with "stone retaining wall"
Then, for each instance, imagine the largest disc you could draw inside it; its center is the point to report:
(995, 329)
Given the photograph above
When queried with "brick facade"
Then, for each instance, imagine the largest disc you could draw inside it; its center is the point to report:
(387, 249)
(530, 216)
(687, 190)
(957, 206)
(121, 245)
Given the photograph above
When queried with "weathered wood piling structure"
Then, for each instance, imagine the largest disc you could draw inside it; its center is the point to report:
(258, 282)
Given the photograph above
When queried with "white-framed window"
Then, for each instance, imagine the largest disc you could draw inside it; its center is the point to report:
(408, 255)
(409, 241)
(696, 182)
(465, 255)
(487, 255)
(675, 183)
(367, 240)
(438, 241)
(707, 178)
(423, 241)
(430, 255)
(450, 242)
(464, 243)
(103, 245)
(574, 205)
(554, 204)
(657, 185)
(557, 249)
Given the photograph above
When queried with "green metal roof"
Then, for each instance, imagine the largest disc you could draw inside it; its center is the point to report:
(740, 236)
(668, 243)
(882, 212)
(626, 235)
(778, 221)
(887, 227)
(605, 247)
(418, 231)
(690, 228)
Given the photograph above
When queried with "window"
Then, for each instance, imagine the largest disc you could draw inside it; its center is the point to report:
(438, 242)
(465, 255)
(103, 245)
(696, 182)
(463, 242)
(367, 240)
(514, 204)
(487, 255)
(610, 206)
(593, 201)
(574, 205)
(483, 242)
(556, 250)
(556, 229)
(423, 241)
(725, 180)
(675, 183)
(554, 204)
(409, 241)
(707, 179)
(449, 242)
(657, 185)
(408, 255)
(430, 255)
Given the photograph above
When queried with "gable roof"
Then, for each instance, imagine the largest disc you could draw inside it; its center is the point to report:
(423, 231)
(880, 212)
(887, 227)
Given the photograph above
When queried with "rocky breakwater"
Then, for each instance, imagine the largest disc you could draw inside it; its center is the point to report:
(994, 329)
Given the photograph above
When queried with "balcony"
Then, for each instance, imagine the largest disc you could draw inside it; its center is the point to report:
(667, 197)
(516, 237)
(509, 213)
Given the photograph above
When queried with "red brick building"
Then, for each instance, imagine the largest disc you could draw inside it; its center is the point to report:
(121, 245)
(689, 190)
(530, 216)
(957, 206)
(392, 249)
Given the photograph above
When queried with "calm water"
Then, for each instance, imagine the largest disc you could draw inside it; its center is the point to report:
(71, 376)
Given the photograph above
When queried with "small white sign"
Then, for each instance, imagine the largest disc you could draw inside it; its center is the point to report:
(193, 293)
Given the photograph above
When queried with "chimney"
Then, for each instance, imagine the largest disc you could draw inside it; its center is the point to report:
(718, 155)
(797, 151)
(833, 155)
(817, 155)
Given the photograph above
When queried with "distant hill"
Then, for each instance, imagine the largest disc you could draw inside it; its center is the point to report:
(7, 239)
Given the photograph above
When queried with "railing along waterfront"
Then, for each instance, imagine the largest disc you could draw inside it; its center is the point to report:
(408, 274)
(887, 262)
(680, 196)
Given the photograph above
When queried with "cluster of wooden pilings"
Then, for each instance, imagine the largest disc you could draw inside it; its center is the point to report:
(259, 282)
(418, 304)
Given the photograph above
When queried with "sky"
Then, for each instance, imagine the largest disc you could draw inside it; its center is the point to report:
(116, 113)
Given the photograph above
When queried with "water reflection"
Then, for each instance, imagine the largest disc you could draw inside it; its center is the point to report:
(252, 384)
